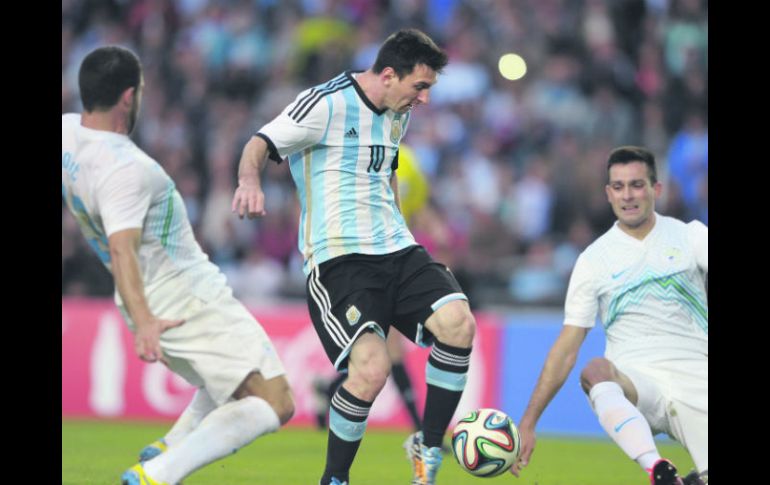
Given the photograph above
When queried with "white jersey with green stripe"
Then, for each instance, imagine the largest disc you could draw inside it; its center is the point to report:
(342, 152)
(650, 294)
(109, 185)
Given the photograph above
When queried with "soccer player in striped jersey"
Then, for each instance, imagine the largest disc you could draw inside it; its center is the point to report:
(364, 270)
(413, 197)
(175, 301)
(645, 277)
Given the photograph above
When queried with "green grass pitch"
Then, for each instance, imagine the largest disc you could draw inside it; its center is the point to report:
(97, 452)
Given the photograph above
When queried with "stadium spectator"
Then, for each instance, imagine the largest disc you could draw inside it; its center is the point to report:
(688, 162)
(205, 87)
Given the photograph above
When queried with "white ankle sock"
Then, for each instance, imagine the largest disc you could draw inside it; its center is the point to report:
(200, 406)
(221, 433)
(647, 460)
(624, 423)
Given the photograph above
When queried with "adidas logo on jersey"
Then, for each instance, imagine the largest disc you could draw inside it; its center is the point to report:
(352, 133)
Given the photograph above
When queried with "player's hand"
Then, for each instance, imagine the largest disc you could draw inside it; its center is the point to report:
(527, 447)
(249, 200)
(147, 338)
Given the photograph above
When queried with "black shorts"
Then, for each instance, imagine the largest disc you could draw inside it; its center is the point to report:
(355, 293)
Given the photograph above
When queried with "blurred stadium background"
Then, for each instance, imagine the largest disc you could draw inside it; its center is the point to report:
(515, 166)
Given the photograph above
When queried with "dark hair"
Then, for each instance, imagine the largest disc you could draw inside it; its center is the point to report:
(105, 73)
(405, 49)
(628, 154)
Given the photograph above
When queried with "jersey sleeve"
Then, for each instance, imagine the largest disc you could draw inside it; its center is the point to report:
(698, 234)
(302, 124)
(582, 301)
(124, 199)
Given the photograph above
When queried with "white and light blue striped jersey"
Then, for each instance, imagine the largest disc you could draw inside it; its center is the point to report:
(650, 294)
(109, 185)
(342, 151)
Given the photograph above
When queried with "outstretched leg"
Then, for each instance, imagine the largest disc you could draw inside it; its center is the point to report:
(613, 398)
(200, 406)
(260, 407)
(446, 372)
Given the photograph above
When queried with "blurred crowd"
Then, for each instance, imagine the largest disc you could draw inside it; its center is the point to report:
(516, 168)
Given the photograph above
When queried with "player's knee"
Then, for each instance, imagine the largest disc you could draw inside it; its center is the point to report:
(597, 370)
(276, 392)
(368, 367)
(368, 375)
(375, 374)
(457, 328)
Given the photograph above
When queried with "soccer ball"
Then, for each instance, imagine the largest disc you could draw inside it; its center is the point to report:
(486, 442)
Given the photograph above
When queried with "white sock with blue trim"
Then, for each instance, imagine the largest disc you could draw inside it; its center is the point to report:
(200, 406)
(624, 423)
(223, 432)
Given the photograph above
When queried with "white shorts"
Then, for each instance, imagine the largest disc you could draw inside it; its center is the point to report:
(673, 397)
(218, 346)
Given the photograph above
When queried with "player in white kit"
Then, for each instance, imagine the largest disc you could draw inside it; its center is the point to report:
(172, 297)
(646, 279)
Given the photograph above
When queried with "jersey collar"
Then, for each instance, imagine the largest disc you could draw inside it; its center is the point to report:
(362, 95)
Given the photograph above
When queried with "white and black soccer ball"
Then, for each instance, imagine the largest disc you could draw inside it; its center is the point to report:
(486, 442)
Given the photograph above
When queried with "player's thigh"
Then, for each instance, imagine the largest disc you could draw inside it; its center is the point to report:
(219, 346)
(689, 383)
(688, 408)
(650, 398)
(629, 389)
(346, 297)
(453, 323)
(395, 344)
(426, 289)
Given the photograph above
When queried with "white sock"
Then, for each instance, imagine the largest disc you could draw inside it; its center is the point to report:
(221, 433)
(624, 423)
(200, 406)
(648, 459)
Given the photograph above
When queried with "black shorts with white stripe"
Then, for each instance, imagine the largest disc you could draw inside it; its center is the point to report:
(355, 293)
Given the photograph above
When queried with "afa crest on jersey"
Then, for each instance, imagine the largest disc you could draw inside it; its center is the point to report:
(353, 315)
(395, 130)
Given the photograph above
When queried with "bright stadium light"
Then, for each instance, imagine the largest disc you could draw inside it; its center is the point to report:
(512, 67)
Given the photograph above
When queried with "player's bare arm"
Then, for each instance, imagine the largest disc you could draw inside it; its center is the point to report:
(559, 363)
(249, 199)
(128, 280)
